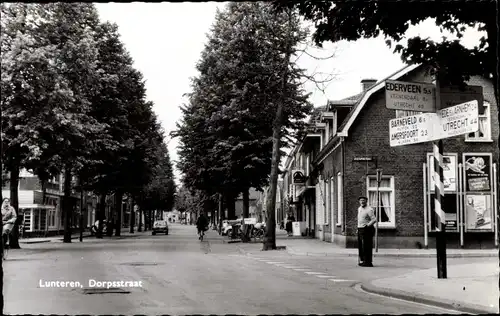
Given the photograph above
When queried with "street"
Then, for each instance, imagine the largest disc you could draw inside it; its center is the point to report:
(181, 275)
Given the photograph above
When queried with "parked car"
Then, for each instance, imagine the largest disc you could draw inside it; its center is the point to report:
(160, 227)
(227, 225)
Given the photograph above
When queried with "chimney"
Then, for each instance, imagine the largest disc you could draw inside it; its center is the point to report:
(367, 84)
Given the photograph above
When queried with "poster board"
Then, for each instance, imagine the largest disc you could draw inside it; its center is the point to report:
(478, 192)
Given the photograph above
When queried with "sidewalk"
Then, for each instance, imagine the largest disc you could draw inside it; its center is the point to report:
(469, 288)
(306, 246)
(59, 238)
(315, 247)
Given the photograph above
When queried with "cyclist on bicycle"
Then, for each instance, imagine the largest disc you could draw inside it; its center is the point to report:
(8, 218)
(201, 224)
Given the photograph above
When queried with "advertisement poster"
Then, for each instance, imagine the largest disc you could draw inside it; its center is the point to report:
(477, 172)
(478, 212)
(450, 208)
(449, 173)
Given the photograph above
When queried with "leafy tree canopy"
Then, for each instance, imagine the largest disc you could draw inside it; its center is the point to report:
(352, 20)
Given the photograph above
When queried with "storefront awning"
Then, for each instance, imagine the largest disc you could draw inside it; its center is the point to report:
(36, 206)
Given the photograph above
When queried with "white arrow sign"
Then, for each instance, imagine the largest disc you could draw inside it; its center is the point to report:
(449, 122)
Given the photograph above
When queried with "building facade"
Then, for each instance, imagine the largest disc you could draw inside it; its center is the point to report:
(354, 143)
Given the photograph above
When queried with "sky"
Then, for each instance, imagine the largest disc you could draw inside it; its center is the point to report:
(166, 39)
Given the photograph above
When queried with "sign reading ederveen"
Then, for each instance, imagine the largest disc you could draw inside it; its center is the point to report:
(410, 96)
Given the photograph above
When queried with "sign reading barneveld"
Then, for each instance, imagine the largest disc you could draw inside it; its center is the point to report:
(410, 96)
(448, 122)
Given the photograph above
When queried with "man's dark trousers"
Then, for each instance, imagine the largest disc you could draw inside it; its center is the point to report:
(365, 244)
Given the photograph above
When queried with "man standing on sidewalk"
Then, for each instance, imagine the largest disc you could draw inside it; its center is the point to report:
(366, 220)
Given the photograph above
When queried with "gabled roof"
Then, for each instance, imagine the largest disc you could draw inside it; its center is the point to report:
(347, 101)
(353, 114)
(356, 109)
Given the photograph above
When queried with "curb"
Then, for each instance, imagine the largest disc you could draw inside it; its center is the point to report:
(390, 255)
(423, 299)
(34, 242)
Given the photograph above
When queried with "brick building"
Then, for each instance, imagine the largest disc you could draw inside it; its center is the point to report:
(354, 142)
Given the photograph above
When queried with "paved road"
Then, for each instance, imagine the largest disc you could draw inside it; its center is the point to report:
(180, 275)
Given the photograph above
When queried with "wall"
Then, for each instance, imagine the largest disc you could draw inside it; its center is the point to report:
(369, 136)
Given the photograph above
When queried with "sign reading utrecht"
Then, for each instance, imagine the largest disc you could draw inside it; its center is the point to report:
(410, 96)
(449, 122)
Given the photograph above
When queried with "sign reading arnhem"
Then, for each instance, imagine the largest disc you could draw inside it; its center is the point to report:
(449, 122)
(410, 96)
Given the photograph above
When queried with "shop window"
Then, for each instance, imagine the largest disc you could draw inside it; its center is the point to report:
(386, 214)
(484, 132)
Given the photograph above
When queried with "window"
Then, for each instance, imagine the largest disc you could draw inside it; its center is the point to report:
(484, 132)
(332, 198)
(386, 215)
(326, 201)
(339, 199)
(307, 165)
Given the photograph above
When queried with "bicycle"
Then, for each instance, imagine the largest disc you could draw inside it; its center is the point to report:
(258, 233)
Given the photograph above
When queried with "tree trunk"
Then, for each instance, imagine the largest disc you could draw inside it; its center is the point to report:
(139, 229)
(221, 212)
(246, 203)
(100, 214)
(231, 208)
(67, 205)
(118, 207)
(151, 219)
(132, 215)
(1, 228)
(270, 235)
(14, 200)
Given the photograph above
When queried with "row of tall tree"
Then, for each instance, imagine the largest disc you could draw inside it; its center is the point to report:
(246, 105)
(247, 97)
(73, 104)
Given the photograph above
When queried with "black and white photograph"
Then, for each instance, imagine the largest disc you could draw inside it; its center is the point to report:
(250, 157)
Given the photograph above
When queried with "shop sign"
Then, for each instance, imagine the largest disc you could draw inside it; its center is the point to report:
(250, 221)
(478, 212)
(298, 177)
(477, 172)
(449, 172)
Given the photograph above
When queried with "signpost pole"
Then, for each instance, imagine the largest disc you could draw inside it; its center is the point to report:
(439, 192)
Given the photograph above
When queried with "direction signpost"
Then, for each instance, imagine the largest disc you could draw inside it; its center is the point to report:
(459, 115)
(448, 122)
(410, 96)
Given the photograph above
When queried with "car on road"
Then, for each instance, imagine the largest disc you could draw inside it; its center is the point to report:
(160, 227)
